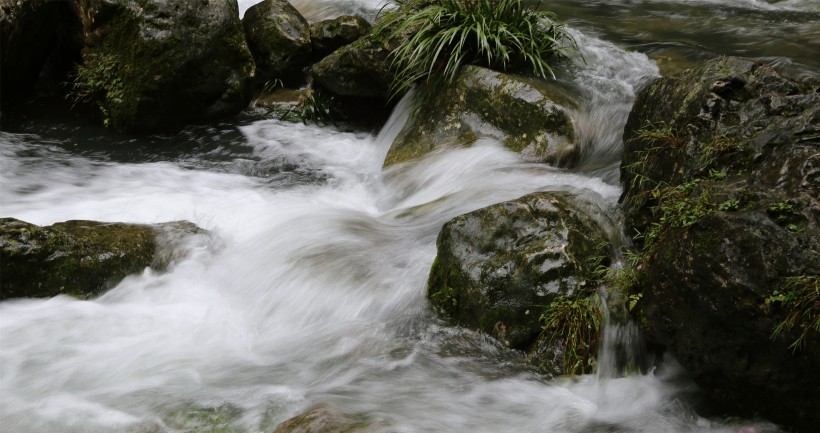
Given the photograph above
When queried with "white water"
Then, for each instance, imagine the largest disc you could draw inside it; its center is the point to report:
(307, 292)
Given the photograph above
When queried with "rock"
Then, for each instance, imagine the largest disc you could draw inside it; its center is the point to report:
(39, 41)
(322, 420)
(361, 69)
(329, 35)
(529, 116)
(499, 267)
(81, 258)
(155, 64)
(721, 171)
(279, 38)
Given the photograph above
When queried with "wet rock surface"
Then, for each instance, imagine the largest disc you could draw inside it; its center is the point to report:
(329, 35)
(280, 40)
(721, 182)
(530, 116)
(150, 65)
(499, 267)
(81, 258)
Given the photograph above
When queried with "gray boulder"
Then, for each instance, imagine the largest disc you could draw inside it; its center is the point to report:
(721, 178)
(155, 64)
(361, 69)
(329, 35)
(81, 258)
(498, 268)
(529, 116)
(279, 38)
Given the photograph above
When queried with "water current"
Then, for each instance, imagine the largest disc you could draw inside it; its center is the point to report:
(309, 287)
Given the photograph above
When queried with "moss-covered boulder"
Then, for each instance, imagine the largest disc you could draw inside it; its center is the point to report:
(721, 171)
(329, 35)
(81, 258)
(39, 40)
(529, 116)
(361, 69)
(155, 64)
(498, 268)
(279, 38)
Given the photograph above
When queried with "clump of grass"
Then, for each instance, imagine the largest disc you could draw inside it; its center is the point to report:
(575, 324)
(447, 34)
(799, 297)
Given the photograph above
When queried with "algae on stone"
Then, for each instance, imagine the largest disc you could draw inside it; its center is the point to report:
(498, 268)
(530, 116)
(80, 258)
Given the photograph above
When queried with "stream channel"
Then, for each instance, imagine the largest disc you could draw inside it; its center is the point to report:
(310, 287)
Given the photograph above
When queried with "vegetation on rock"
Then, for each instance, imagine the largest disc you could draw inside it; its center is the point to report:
(719, 173)
(447, 34)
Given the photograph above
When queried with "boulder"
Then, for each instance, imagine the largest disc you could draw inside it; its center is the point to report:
(329, 35)
(155, 64)
(279, 38)
(498, 268)
(81, 258)
(39, 41)
(721, 178)
(528, 115)
(361, 69)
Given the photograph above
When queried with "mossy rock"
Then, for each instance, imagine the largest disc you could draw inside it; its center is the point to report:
(360, 69)
(530, 116)
(80, 258)
(721, 179)
(329, 35)
(499, 267)
(279, 38)
(150, 65)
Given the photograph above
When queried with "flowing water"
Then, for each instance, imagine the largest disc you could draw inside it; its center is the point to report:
(309, 287)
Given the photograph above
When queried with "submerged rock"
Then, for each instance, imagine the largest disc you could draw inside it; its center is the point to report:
(529, 116)
(323, 420)
(499, 267)
(329, 35)
(155, 64)
(81, 258)
(721, 172)
(279, 38)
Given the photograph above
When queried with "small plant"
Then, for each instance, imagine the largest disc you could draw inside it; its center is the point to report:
(574, 323)
(729, 205)
(781, 212)
(717, 147)
(799, 297)
(96, 81)
(678, 206)
(447, 34)
(718, 175)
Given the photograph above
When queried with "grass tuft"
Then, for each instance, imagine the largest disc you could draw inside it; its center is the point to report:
(498, 34)
(574, 323)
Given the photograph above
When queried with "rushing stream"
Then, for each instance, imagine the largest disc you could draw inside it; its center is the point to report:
(309, 287)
